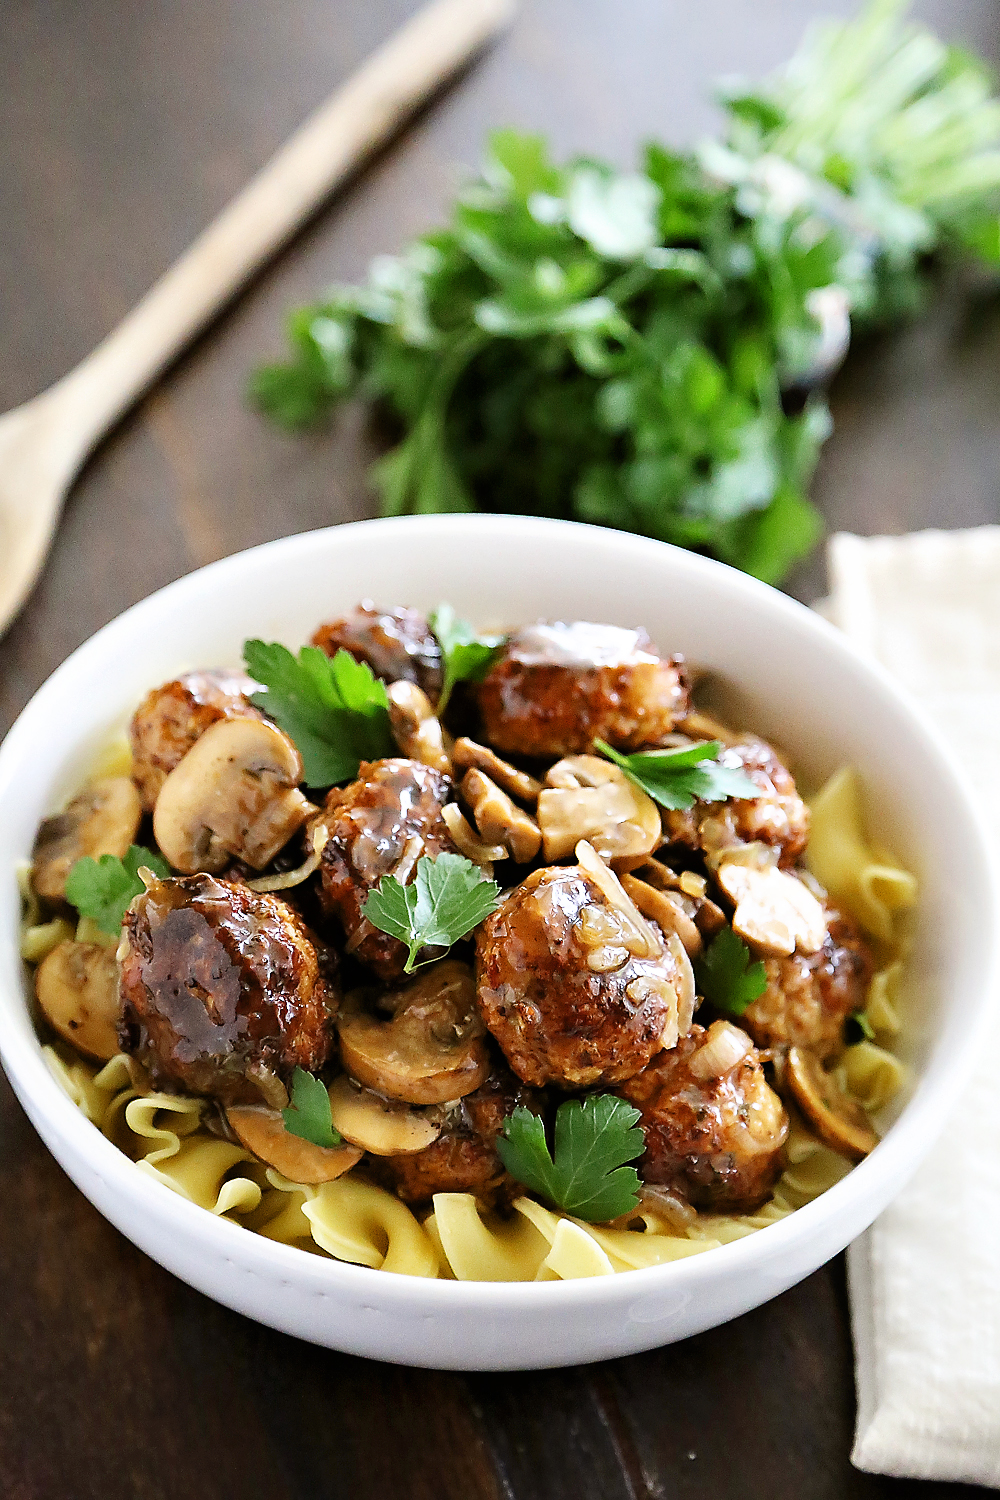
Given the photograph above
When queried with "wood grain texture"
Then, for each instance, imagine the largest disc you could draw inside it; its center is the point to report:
(126, 129)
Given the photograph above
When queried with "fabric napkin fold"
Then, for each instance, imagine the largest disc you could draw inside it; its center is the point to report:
(925, 1279)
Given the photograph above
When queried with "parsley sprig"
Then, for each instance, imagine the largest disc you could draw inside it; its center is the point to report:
(586, 1174)
(677, 779)
(103, 889)
(465, 656)
(308, 1115)
(334, 709)
(447, 899)
(725, 975)
(613, 346)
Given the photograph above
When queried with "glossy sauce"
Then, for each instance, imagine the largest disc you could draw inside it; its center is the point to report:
(219, 982)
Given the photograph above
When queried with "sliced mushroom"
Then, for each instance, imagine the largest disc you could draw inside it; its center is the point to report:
(840, 1122)
(432, 1049)
(515, 783)
(499, 820)
(574, 771)
(382, 1126)
(467, 840)
(686, 892)
(263, 1132)
(415, 726)
(102, 819)
(589, 798)
(77, 989)
(774, 910)
(666, 910)
(234, 796)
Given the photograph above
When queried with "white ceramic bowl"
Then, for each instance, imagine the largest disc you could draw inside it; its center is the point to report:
(804, 685)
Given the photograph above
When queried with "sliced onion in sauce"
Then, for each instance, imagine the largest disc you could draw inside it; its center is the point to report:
(617, 896)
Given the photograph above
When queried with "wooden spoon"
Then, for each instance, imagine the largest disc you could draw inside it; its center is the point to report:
(44, 442)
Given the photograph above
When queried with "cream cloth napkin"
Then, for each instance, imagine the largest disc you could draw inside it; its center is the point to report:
(925, 1279)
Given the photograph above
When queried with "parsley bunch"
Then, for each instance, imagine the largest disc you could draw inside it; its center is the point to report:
(616, 347)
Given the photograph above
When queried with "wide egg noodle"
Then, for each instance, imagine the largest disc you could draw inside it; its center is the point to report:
(871, 1075)
(882, 1006)
(279, 1214)
(189, 1160)
(477, 1246)
(869, 884)
(356, 1221)
(93, 1090)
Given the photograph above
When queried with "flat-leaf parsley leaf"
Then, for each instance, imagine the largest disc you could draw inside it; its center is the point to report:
(677, 779)
(308, 1116)
(465, 656)
(586, 1175)
(447, 899)
(334, 709)
(725, 975)
(103, 889)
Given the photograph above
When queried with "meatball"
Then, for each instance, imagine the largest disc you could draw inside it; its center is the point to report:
(396, 643)
(558, 687)
(464, 1159)
(561, 990)
(714, 1129)
(170, 719)
(224, 992)
(778, 816)
(809, 996)
(391, 814)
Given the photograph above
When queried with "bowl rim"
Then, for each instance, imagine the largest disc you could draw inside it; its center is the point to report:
(878, 1176)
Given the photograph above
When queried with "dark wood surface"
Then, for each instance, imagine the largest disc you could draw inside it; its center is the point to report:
(125, 128)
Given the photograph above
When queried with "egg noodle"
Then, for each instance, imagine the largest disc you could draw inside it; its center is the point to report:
(353, 1220)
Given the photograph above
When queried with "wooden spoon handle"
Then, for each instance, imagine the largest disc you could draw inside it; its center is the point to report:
(341, 133)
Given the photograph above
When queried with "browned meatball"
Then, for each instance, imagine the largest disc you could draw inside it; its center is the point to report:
(558, 687)
(560, 989)
(396, 643)
(223, 991)
(714, 1130)
(778, 816)
(371, 825)
(809, 996)
(170, 719)
(464, 1159)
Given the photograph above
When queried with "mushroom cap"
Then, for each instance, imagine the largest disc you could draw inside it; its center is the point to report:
(775, 911)
(263, 1132)
(77, 989)
(102, 819)
(233, 796)
(415, 726)
(840, 1122)
(384, 1127)
(499, 819)
(589, 798)
(432, 1049)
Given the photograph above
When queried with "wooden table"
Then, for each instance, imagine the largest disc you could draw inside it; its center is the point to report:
(125, 128)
